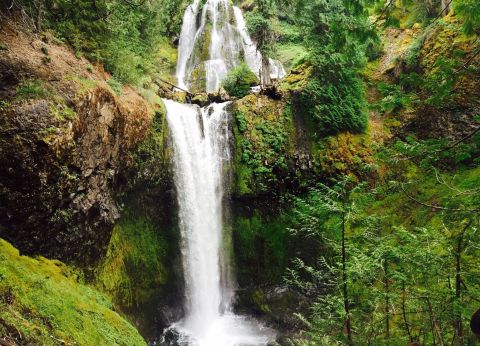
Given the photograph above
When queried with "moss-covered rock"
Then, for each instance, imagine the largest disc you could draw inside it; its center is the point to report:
(43, 302)
(140, 271)
(261, 245)
(297, 79)
(264, 145)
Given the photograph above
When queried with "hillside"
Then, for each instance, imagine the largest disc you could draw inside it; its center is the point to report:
(314, 174)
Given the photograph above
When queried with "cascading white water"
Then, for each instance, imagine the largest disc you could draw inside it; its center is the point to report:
(201, 152)
(200, 139)
(229, 44)
(187, 39)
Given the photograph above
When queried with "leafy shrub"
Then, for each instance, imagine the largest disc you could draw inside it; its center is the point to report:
(115, 85)
(469, 10)
(394, 98)
(413, 54)
(335, 106)
(239, 80)
(241, 122)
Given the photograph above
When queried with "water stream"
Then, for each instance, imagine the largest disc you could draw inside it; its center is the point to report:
(200, 140)
(214, 39)
(201, 155)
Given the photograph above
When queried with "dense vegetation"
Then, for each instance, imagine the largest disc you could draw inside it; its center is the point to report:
(129, 37)
(386, 219)
(239, 81)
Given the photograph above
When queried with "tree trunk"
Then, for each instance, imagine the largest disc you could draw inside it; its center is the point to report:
(387, 303)
(445, 7)
(404, 312)
(265, 72)
(38, 20)
(436, 331)
(458, 283)
(346, 302)
(458, 291)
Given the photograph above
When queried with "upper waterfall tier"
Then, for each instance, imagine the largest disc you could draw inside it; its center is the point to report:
(214, 39)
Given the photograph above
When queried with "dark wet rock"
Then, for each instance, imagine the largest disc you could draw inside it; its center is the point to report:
(201, 99)
(219, 96)
(275, 305)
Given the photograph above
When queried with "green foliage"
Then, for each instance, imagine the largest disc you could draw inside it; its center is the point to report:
(43, 303)
(239, 81)
(394, 98)
(469, 10)
(413, 54)
(411, 261)
(241, 122)
(115, 85)
(263, 144)
(336, 35)
(124, 35)
(335, 103)
(262, 26)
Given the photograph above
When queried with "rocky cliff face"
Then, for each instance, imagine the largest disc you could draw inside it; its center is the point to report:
(64, 145)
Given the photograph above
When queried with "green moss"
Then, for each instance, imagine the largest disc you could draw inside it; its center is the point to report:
(444, 39)
(264, 143)
(4, 105)
(133, 269)
(42, 302)
(297, 79)
(401, 210)
(83, 85)
(197, 80)
(261, 246)
(200, 54)
(260, 301)
(344, 154)
(63, 112)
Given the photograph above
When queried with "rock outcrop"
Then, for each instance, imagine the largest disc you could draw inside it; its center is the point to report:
(65, 143)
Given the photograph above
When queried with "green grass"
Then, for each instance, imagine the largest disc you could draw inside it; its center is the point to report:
(290, 54)
(84, 85)
(31, 89)
(42, 301)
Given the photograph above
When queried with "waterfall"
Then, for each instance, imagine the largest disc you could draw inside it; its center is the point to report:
(201, 155)
(187, 39)
(200, 139)
(212, 43)
(200, 147)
